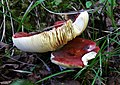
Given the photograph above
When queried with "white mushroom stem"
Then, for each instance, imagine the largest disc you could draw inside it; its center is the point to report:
(53, 39)
(88, 56)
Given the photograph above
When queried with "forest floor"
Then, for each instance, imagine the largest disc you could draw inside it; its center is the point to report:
(26, 68)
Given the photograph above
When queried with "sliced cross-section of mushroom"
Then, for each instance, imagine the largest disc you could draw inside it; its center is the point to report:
(52, 39)
(76, 53)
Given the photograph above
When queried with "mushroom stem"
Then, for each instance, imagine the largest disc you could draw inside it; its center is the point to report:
(88, 56)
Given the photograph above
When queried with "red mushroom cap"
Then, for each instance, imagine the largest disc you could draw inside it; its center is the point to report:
(59, 23)
(21, 34)
(71, 54)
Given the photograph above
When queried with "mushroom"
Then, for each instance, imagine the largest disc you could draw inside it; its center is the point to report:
(75, 54)
(52, 39)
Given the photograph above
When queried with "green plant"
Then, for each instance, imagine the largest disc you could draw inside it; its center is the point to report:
(22, 82)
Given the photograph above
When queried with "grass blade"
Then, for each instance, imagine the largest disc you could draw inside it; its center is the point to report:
(54, 75)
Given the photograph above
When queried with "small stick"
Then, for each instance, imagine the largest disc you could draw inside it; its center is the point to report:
(68, 13)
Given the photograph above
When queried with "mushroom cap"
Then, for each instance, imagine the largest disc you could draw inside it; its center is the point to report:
(52, 39)
(59, 23)
(76, 53)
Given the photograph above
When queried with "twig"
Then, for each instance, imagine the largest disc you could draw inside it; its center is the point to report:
(38, 20)
(1, 25)
(5, 77)
(67, 13)
(107, 35)
(101, 30)
(70, 13)
(22, 62)
(3, 34)
(43, 63)
(10, 17)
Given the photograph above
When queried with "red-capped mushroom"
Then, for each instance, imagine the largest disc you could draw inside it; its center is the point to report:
(52, 39)
(76, 53)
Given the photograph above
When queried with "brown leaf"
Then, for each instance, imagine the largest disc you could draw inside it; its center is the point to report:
(67, 82)
(10, 65)
(3, 45)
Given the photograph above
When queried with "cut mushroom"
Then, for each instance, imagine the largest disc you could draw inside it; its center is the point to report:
(52, 39)
(76, 53)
